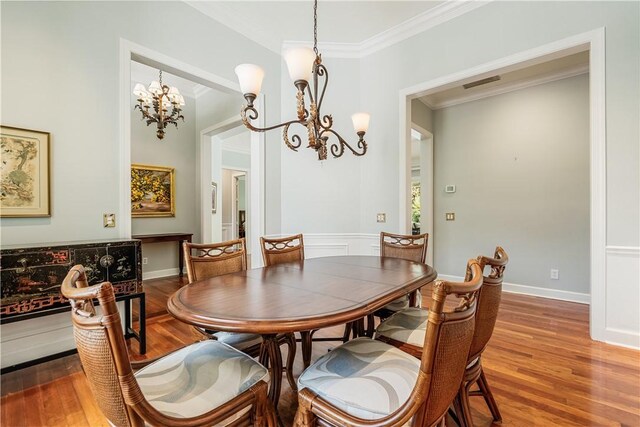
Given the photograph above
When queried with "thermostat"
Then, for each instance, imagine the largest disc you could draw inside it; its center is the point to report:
(450, 188)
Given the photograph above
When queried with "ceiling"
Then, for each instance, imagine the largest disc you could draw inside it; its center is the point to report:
(555, 69)
(270, 23)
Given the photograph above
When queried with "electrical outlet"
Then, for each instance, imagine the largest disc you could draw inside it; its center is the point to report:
(145, 260)
(109, 220)
(555, 274)
(382, 217)
(450, 216)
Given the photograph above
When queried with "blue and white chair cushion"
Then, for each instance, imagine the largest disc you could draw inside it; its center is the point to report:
(408, 326)
(199, 378)
(402, 303)
(363, 377)
(238, 341)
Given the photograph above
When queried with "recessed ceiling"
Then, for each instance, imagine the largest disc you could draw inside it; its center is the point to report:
(555, 69)
(272, 22)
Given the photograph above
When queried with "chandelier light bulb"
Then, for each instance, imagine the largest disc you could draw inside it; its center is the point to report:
(250, 77)
(360, 121)
(155, 88)
(300, 63)
(139, 90)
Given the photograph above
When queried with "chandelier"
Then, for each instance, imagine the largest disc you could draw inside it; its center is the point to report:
(166, 102)
(303, 64)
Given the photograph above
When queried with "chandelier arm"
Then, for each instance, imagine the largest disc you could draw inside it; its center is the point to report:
(321, 71)
(297, 141)
(254, 115)
(338, 150)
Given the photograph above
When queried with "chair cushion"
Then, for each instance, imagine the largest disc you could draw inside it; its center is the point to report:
(199, 378)
(403, 302)
(408, 326)
(366, 378)
(238, 340)
(398, 304)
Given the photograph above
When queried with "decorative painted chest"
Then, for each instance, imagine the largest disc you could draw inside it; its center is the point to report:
(31, 275)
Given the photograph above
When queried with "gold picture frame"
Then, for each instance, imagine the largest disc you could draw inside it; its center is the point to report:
(25, 184)
(152, 191)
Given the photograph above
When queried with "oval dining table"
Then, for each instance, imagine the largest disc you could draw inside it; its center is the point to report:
(297, 297)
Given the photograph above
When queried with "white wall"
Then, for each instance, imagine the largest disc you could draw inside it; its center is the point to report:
(60, 74)
(323, 196)
(498, 30)
(520, 163)
(66, 54)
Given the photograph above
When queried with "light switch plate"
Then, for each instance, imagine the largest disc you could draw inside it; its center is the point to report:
(109, 220)
(450, 216)
(382, 217)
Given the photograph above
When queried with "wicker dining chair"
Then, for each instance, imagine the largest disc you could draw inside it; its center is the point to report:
(163, 391)
(406, 330)
(409, 247)
(215, 259)
(281, 250)
(366, 382)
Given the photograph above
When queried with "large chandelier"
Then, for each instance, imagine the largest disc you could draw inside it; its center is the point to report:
(303, 63)
(166, 102)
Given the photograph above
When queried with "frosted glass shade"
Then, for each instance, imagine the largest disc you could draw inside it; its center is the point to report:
(300, 63)
(250, 78)
(155, 88)
(360, 121)
(139, 90)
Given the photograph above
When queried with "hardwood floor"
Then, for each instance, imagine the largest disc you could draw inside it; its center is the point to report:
(541, 364)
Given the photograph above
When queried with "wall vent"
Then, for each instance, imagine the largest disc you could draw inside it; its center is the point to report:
(481, 82)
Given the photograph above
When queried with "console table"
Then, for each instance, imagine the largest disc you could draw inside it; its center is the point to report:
(168, 237)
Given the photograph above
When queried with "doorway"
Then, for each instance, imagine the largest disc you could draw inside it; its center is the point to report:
(591, 42)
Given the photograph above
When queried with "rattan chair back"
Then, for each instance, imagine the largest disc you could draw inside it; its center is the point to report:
(410, 247)
(488, 301)
(447, 341)
(285, 249)
(214, 259)
(101, 344)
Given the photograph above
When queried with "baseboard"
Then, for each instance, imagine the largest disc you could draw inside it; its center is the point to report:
(535, 291)
(160, 273)
(628, 339)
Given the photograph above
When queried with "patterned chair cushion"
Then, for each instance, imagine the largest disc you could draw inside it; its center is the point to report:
(199, 378)
(408, 325)
(237, 340)
(403, 302)
(366, 378)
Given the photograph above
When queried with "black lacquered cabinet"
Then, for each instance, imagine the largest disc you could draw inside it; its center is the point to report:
(31, 276)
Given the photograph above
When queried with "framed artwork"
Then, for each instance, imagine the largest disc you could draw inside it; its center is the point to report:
(24, 173)
(152, 191)
(214, 197)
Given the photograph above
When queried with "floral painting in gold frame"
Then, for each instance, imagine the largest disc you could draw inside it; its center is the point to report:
(24, 173)
(152, 191)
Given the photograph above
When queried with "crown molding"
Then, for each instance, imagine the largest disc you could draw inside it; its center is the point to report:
(437, 15)
(510, 87)
(234, 148)
(199, 90)
(409, 28)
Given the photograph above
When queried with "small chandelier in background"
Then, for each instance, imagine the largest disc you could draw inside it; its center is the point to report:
(303, 63)
(166, 102)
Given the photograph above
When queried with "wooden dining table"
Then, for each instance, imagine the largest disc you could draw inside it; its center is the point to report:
(297, 297)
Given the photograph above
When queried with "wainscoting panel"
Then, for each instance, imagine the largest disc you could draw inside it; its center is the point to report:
(623, 296)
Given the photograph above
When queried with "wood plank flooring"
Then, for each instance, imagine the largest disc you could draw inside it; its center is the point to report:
(541, 364)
